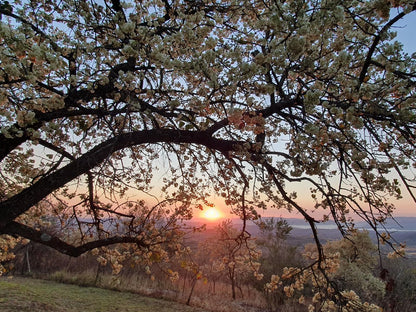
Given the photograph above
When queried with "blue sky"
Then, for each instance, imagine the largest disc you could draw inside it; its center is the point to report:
(406, 32)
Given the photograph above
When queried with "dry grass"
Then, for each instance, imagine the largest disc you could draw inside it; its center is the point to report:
(34, 295)
(203, 296)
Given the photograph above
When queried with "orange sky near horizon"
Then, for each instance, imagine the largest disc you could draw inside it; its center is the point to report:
(404, 208)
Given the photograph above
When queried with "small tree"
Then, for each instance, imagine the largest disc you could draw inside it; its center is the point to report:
(347, 269)
(276, 255)
(234, 253)
(358, 266)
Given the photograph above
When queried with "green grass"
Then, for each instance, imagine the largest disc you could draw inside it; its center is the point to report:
(34, 295)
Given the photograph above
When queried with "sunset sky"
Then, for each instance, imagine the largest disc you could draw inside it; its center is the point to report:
(405, 207)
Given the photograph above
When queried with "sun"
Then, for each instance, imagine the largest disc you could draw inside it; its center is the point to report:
(211, 214)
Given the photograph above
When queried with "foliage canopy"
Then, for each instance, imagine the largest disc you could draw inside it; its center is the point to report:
(247, 99)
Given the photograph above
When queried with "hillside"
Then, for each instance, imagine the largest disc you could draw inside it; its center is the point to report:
(34, 295)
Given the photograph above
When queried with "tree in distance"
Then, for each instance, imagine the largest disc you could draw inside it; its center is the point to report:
(250, 100)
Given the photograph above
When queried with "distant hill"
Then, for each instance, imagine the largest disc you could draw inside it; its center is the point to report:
(402, 229)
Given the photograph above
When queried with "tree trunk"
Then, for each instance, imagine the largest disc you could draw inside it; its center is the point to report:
(97, 275)
(231, 274)
(192, 290)
(27, 259)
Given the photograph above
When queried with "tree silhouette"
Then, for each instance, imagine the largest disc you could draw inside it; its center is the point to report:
(247, 99)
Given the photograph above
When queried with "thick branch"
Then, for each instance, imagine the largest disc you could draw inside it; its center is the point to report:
(14, 228)
(21, 202)
(8, 144)
(71, 100)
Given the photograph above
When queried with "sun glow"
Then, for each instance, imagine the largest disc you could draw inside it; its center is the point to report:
(211, 214)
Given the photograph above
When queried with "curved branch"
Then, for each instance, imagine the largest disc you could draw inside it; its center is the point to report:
(21, 202)
(312, 222)
(15, 228)
(373, 47)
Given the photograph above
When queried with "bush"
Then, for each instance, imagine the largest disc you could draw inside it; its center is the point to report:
(400, 278)
(358, 263)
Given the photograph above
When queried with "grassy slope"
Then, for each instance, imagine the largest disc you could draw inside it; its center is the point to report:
(25, 294)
